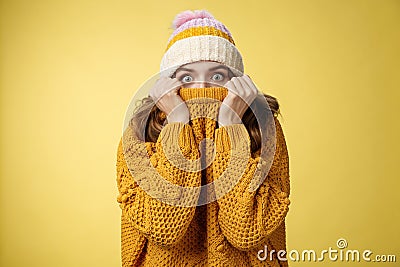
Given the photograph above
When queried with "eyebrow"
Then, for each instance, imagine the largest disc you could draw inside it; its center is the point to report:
(211, 69)
(184, 69)
(219, 67)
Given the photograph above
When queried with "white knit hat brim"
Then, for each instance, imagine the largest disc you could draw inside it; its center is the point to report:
(197, 48)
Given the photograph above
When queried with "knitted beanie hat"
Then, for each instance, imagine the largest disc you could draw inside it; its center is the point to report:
(199, 36)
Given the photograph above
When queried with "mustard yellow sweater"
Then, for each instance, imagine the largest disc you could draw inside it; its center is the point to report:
(227, 232)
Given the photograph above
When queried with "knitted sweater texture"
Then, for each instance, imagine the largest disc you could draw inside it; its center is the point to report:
(229, 231)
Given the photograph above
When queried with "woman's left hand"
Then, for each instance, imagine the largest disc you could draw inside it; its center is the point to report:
(241, 93)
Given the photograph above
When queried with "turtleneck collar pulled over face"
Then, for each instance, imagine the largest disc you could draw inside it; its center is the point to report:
(218, 93)
(203, 105)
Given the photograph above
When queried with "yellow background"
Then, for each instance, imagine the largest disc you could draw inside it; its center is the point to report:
(68, 72)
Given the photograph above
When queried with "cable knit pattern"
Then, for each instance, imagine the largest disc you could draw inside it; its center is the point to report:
(247, 218)
(226, 232)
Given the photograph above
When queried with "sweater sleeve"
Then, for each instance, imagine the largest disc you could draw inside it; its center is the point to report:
(142, 198)
(247, 217)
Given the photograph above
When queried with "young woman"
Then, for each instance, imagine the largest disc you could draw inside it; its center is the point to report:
(200, 130)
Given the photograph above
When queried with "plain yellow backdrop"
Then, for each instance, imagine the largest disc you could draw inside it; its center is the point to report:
(68, 72)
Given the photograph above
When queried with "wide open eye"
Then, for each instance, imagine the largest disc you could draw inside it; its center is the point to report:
(217, 77)
(187, 79)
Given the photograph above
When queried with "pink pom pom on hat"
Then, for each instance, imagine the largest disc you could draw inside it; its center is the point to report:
(199, 36)
(189, 15)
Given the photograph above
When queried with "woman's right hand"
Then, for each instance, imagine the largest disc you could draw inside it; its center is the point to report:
(165, 94)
